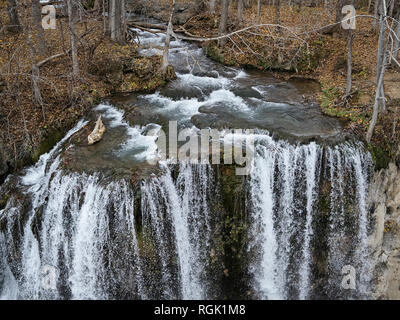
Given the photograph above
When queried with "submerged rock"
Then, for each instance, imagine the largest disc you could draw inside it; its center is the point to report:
(97, 133)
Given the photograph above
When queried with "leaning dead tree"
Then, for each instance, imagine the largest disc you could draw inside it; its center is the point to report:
(349, 57)
(386, 35)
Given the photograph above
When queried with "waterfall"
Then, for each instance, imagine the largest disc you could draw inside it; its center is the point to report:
(81, 230)
(183, 204)
(103, 236)
(293, 188)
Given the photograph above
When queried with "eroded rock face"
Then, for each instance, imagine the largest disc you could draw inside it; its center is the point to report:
(385, 240)
(3, 161)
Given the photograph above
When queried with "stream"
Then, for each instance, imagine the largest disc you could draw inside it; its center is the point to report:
(105, 222)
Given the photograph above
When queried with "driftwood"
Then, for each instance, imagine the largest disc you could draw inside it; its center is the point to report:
(97, 133)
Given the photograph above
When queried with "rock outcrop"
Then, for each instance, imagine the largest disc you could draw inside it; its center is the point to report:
(3, 161)
(385, 239)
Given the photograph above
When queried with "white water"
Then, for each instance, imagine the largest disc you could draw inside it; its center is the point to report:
(185, 205)
(89, 229)
(286, 183)
(78, 222)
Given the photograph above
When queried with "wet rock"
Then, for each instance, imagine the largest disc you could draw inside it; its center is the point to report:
(385, 239)
(3, 163)
(97, 133)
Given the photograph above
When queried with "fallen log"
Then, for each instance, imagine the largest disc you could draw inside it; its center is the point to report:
(148, 26)
(97, 133)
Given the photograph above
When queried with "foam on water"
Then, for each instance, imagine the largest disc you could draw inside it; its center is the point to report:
(137, 140)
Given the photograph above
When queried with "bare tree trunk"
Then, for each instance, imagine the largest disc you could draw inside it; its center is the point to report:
(391, 8)
(96, 5)
(381, 42)
(339, 15)
(74, 48)
(224, 21)
(376, 104)
(212, 6)
(369, 5)
(106, 26)
(240, 11)
(258, 11)
(376, 11)
(350, 58)
(277, 11)
(165, 60)
(12, 11)
(36, 94)
(37, 21)
(379, 103)
(349, 62)
(396, 44)
(117, 20)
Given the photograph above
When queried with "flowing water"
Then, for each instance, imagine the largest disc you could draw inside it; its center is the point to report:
(110, 226)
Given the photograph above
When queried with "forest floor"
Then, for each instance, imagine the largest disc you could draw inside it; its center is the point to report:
(27, 130)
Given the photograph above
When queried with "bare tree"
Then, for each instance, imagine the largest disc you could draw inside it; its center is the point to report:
(240, 11)
(224, 21)
(37, 22)
(12, 10)
(278, 12)
(212, 4)
(376, 11)
(379, 103)
(396, 41)
(165, 60)
(117, 20)
(73, 40)
(350, 58)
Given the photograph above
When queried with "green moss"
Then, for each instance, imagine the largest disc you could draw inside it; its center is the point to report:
(4, 200)
(48, 144)
(380, 156)
(215, 53)
(329, 95)
(311, 56)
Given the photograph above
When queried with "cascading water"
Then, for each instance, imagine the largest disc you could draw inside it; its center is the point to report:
(290, 199)
(83, 227)
(191, 231)
(185, 204)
